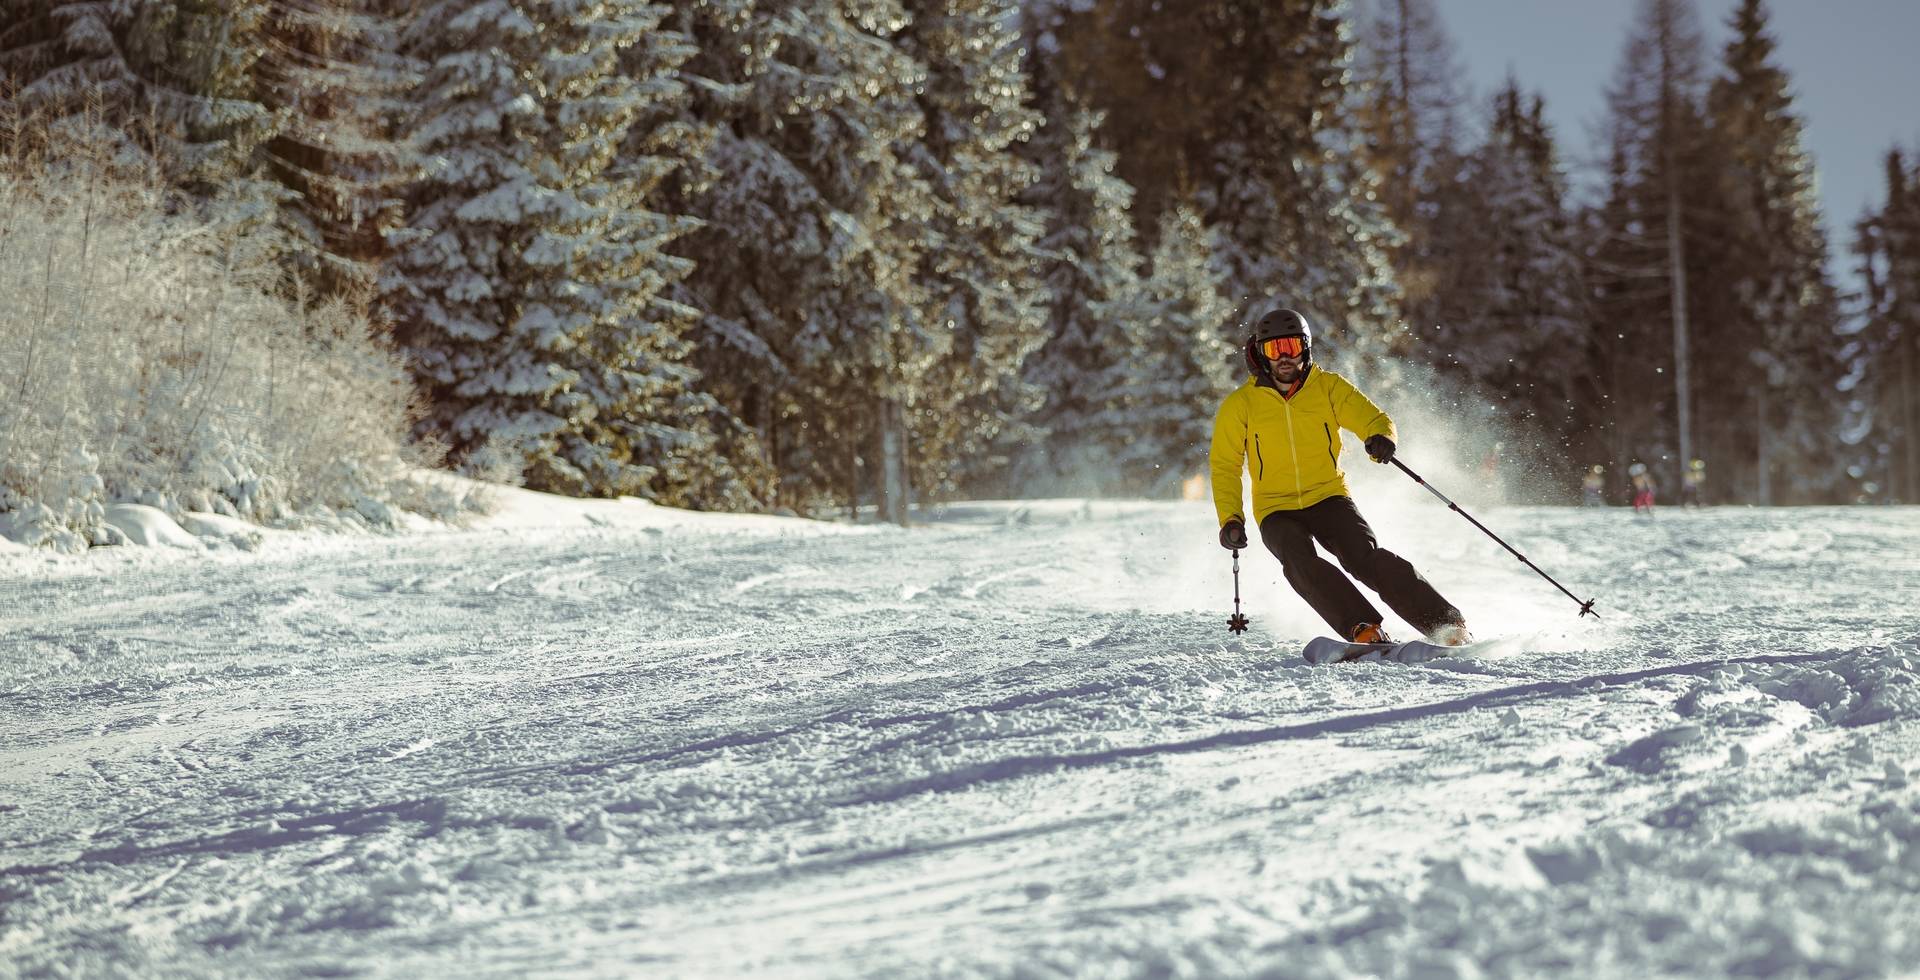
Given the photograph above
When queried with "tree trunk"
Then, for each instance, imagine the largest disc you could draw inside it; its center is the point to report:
(1404, 56)
(759, 409)
(853, 481)
(1669, 135)
(894, 502)
(1765, 475)
(1911, 410)
(1677, 264)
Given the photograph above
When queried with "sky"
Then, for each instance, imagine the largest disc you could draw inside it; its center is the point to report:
(1854, 73)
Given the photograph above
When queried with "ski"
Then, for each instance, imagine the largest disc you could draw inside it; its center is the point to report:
(1327, 650)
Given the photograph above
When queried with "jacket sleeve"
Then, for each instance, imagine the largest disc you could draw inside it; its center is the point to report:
(1357, 413)
(1228, 456)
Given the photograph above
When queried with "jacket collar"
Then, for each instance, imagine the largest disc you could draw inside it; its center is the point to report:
(1263, 378)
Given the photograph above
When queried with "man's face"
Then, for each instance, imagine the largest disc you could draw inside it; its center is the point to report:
(1286, 370)
(1285, 357)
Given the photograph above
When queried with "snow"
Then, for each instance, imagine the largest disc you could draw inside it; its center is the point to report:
(612, 738)
(149, 526)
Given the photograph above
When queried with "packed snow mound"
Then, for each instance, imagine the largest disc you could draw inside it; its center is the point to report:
(221, 528)
(506, 508)
(145, 525)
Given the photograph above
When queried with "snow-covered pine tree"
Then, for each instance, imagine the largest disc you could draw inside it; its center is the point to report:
(674, 423)
(173, 81)
(526, 283)
(1092, 275)
(1413, 90)
(1251, 110)
(1771, 389)
(982, 275)
(1903, 318)
(1625, 324)
(333, 76)
(1886, 353)
(1287, 189)
(808, 264)
(1659, 137)
(1508, 315)
(270, 112)
(1648, 244)
(1178, 363)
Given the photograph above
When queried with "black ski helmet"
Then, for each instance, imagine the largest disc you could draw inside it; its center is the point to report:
(1278, 322)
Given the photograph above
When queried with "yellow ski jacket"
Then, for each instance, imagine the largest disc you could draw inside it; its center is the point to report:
(1290, 445)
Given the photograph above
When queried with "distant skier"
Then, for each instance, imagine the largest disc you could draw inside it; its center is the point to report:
(1692, 481)
(1642, 488)
(1593, 487)
(1282, 425)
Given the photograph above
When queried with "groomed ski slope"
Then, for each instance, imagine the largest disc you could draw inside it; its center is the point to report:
(616, 740)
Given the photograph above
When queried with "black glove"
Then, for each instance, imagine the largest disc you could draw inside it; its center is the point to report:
(1233, 535)
(1380, 448)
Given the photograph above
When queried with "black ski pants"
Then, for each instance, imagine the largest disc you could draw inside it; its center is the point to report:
(1337, 525)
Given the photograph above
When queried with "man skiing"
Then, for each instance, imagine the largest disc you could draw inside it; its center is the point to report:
(1593, 487)
(1692, 479)
(1282, 426)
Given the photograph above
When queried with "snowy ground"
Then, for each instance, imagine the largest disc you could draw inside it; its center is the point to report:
(611, 739)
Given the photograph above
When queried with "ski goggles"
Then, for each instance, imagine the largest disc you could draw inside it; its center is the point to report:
(1280, 347)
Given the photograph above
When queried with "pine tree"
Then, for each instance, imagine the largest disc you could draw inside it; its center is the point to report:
(1649, 241)
(1777, 312)
(676, 424)
(981, 274)
(1180, 363)
(1251, 110)
(1414, 93)
(173, 82)
(527, 282)
(808, 279)
(1092, 277)
(1411, 98)
(334, 77)
(1509, 317)
(267, 113)
(1887, 352)
(1903, 318)
(1320, 243)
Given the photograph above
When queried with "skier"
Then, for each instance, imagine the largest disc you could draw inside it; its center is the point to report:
(1282, 425)
(1691, 482)
(1642, 489)
(1593, 487)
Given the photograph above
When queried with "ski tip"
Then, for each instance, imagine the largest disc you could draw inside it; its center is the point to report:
(1325, 649)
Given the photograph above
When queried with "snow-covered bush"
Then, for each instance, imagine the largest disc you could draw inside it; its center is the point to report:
(154, 352)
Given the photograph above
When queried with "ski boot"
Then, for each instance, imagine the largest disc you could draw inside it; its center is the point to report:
(1369, 633)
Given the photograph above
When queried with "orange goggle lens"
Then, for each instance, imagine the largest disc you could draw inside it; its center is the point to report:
(1283, 347)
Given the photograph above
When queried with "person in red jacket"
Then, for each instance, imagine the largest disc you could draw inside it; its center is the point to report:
(1282, 426)
(1642, 488)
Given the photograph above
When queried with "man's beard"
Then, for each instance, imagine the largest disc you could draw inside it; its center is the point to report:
(1286, 372)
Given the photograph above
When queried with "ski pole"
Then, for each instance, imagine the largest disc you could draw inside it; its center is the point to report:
(1586, 608)
(1237, 624)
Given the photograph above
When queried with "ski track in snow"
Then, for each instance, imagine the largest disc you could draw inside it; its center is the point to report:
(1017, 741)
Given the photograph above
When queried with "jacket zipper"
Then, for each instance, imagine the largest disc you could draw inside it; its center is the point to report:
(1293, 446)
(1262, 470)
(1335, 456)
